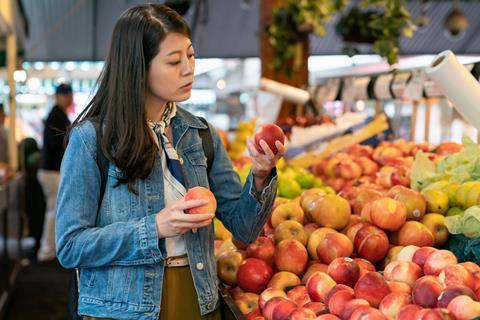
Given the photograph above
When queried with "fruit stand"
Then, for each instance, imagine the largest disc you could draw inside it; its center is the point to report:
(357, 231)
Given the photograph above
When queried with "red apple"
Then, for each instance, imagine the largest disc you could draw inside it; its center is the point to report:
(437, 261)
(372, 287)
(371, 243)
(315, 239)
(438, 314)
(464, 307)
(365, 266)
(270, 306)
(317, 307)
(351, 306)
(344, 271)
(470, 266)
(247, 302)
(312, 268)
(330, 211)
(414, 233)
(291, 256)
(364, 196)
(407, 253)
(393, 302)
(268, 294)
(327, 317)
(318, 286)
(402, 271)
(201, 193)
(291, 229)
(337, 301)
(334, 245)
(228, 264)
(263, 248)
(283, 310)
(421, 255)
(426, 290)
(270, 133)
(413, 201)
(396, 286)
(453, 291)
(254, 274)
(388, 214)
(299, 295)
(284, 279)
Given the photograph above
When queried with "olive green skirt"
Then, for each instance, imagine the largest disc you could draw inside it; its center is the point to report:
(179, 298)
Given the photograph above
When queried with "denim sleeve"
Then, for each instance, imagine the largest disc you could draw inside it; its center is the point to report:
(79, 243)
(242, 210)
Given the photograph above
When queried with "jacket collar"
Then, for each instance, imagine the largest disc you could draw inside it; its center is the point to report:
(185, 118)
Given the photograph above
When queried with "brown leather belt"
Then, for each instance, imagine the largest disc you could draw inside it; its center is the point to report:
(179, 261)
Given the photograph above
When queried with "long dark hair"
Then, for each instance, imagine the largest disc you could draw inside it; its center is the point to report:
(119, 104)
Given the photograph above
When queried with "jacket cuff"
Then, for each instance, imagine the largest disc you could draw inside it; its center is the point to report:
(267, 192)
(147, 230)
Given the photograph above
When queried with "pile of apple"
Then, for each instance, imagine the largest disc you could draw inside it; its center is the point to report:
(318, 261)
(385, 166)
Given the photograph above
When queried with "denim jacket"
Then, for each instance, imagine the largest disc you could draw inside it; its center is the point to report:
(116, 244)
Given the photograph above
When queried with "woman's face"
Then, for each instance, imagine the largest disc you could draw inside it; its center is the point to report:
(170, 75)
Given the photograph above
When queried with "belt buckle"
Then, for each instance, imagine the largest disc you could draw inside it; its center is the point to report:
(176, 261)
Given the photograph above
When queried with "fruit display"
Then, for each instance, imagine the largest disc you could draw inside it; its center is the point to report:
(375, 250)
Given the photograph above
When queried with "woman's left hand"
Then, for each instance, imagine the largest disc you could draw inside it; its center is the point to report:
(262, 164)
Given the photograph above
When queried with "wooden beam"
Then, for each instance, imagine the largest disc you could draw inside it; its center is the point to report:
(299, 78)
(7, 11)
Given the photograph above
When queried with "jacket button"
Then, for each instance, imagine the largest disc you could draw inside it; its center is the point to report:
(200, 266)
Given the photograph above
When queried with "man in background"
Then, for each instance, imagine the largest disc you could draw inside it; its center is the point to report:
(53, 149)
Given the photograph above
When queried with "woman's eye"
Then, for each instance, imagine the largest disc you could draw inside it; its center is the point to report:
(174, 63)
(191, 56)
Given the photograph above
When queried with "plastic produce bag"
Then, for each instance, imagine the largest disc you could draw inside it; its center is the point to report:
(467, 224)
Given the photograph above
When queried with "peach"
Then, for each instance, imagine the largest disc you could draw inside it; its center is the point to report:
(268, 294)
(312, 268)
(393, 302)
(426, 291)
(331, 211)
(407, 253)
(344, 271)
(396, 286)
(371, 243)
(201, 193)
(270, 133)
(371, 287)
(299, 295)
(301, 314)
(464, 307)
(318, 285)
(414, 233)
(437, 314)
(413, 201)
(407, 312)
(315, 239)
(437, 261)
(456, 274)
(351, 306)
(388, 214)
(422, 254)
(337, 301)
(327, 317)
(287, 211)
(290, 229)
(402, 271)
(453, 291)
(283, 279)
(334, 245)
(367, 313)
(366, 214)
(470, 266)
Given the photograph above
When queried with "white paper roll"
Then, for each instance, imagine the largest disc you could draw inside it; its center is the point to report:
(458, 85)
(285, 91)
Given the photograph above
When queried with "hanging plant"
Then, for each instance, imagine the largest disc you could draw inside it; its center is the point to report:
(292, 21)
(381, 23)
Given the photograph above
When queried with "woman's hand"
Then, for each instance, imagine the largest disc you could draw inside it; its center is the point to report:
(262, 164)
(173, 221)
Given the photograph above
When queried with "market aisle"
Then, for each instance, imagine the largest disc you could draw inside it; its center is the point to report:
(41, 293)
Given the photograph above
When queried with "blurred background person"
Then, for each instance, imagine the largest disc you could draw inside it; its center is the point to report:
(3, 137)
(49, 174)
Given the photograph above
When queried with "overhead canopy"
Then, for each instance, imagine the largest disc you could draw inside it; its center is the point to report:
(63, 30)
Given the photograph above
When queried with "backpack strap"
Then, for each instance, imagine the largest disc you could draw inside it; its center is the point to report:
(102, 161)
(207, 144)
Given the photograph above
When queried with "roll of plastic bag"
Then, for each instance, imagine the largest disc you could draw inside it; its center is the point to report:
(458, 85)
(287, 92)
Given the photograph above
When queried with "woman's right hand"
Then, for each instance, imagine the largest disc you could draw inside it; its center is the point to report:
(173, 221)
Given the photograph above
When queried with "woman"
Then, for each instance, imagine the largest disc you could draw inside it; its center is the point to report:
(140, 256)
